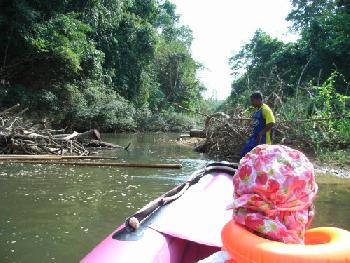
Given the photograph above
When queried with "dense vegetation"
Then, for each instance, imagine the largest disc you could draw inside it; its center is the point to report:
(306, 79)
(127, 65)
(113, 65)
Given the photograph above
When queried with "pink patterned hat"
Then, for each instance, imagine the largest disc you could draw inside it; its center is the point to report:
(274, 188)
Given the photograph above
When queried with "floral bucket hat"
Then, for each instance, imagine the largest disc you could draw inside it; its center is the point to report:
(274, 188)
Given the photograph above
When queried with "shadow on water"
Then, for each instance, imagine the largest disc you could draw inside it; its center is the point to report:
(58, 213)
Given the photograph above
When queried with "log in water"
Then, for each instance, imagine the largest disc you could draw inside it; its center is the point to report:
(98, 164)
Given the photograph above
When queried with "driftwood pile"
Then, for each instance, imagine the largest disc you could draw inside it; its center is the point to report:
(226, 135)
(21, 136)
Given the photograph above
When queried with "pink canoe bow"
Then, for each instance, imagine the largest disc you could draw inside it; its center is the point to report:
(181, 226)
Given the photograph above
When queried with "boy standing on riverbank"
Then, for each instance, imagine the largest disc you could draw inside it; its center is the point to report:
(263, 121)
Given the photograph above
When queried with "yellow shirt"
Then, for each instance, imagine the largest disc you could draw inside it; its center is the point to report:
(269, 118)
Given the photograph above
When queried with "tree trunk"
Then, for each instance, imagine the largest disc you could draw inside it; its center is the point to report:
(198, 133)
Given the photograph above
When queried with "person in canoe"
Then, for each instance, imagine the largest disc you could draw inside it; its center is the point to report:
(274, 188)
(263, 121)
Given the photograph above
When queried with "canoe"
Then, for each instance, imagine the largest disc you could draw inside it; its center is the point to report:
(183, 225)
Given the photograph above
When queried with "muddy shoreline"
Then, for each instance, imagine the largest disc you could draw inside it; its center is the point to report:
(341, 171)
(325, 169)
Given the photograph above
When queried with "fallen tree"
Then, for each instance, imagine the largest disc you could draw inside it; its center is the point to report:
(20, 136)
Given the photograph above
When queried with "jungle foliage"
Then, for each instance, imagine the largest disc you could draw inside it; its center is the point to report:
(305, 79)
(323, 47)
(97, 63)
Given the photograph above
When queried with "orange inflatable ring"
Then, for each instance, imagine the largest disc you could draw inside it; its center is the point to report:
(323, 244)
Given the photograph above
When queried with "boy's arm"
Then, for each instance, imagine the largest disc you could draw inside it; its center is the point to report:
(265, 130)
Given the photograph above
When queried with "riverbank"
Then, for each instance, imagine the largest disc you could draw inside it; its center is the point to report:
(330, 169)
(190, 141)
(325, 167)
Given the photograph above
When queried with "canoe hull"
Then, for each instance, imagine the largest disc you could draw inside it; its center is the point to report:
(174, 240)
(153, 247)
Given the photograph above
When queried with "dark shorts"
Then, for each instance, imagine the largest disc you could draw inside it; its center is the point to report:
(251, 144)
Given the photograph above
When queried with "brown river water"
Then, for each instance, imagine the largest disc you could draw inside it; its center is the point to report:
(59, 213)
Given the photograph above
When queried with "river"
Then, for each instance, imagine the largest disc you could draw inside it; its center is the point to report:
(58, 213)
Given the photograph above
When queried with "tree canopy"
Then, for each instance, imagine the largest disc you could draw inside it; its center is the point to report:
(323, 47)
(78, 60)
